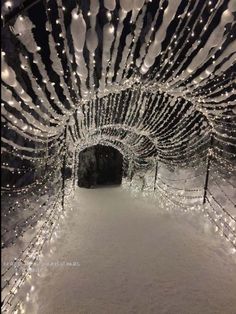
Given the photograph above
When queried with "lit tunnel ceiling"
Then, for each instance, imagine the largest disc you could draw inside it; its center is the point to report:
(156, 79)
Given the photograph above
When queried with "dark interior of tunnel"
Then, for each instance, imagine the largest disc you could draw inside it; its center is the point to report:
(99, 166)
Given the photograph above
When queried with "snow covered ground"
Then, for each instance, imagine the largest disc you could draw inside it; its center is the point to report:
(132, 257)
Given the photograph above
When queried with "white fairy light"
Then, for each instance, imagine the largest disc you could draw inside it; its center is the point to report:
(108, 15)
(75, 15)
(8, 4)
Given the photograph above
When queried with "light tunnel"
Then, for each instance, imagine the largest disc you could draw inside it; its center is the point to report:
(154, 80)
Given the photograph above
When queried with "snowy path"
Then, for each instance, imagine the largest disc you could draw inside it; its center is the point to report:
(135, 258)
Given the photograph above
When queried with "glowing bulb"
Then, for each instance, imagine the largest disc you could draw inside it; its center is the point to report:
(75, 16)
(111, 29)
(5, 74)
(8, 4)
(25, 127)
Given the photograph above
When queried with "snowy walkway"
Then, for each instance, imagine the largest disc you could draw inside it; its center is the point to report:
(135, 258)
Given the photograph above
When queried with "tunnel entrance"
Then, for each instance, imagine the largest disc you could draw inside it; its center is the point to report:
(99, 165)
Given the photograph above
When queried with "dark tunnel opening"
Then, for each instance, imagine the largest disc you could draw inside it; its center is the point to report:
(99, 166)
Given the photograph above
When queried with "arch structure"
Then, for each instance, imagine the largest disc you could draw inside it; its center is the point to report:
(154, 79)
